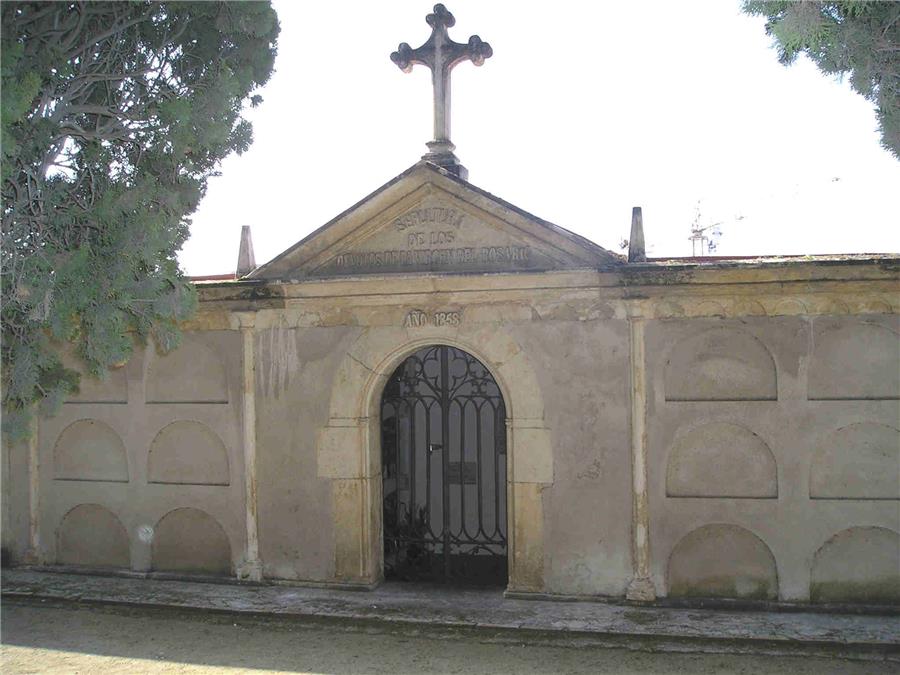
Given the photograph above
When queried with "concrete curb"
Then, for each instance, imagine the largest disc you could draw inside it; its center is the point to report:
(448, 613)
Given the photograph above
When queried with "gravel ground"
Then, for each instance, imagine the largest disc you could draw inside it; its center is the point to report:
(65, 638)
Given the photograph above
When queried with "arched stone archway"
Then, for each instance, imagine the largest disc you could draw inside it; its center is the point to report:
(349, 452)
(443, 451)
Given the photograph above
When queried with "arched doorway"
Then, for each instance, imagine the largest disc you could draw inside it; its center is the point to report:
(443, 442)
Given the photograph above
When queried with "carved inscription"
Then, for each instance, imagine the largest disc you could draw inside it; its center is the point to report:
(434, 237)
(414, 239)
(429, 216)
(418, 319)
(433, 257)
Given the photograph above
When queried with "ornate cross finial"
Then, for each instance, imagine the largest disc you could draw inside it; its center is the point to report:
(440, 54)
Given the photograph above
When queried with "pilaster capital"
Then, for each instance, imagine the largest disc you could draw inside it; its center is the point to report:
(637, 309)
(244, 320)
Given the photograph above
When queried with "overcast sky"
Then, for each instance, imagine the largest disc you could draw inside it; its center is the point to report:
(585, 110)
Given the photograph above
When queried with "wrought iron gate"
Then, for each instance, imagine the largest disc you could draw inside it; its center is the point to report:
(443, 440)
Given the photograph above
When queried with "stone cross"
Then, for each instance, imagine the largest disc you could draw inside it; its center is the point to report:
(440, 54)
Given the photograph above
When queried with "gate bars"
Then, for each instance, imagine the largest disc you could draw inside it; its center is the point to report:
(443, 439)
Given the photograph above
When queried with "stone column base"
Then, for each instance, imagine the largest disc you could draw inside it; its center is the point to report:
(641, 589)
(250, 570)
(31, 557)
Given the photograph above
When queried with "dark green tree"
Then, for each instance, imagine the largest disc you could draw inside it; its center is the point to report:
(857, 38)
(114, 115)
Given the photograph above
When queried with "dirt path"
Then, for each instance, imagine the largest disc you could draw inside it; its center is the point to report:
(45, 638)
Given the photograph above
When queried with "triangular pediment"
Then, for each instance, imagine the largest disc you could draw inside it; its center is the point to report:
(429, 221)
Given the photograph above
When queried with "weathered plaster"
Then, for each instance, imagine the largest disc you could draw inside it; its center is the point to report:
(791, 524)
(605, 370)
(136, 502)
(641, 586)
(251, 567)
(349, 445)
(526, 572)
(33, 553)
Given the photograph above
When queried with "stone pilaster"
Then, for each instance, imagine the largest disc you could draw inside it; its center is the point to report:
(251, 567)
(641, 587)
(33, 553)
(531, 472)
(356, 498)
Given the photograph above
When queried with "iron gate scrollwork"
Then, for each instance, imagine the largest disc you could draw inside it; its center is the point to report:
(443, 440)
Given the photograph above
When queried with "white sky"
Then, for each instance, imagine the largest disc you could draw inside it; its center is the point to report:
(585, 110)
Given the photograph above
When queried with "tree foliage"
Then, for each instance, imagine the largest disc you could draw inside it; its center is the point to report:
(851, 37)
(114, 115)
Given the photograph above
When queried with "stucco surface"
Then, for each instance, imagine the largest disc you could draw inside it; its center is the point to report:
(91, 536)
(15, 532)
(792, 470)
(90, 450)
(859, 461)
(859, 564)
(189, 540)
(742, 465)
(188, 453)
(581, 367)
(645, 402)
(193, 373)
(800, 433)
(294, 381)
(112, 389)
(854, 360)
(723, 561)
(128, 493)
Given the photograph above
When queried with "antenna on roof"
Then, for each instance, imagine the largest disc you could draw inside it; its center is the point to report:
(704, 236)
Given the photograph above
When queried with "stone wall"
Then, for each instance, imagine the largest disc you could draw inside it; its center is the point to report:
(294, 381)
(775, 457)
(144, 470)
(582, 369)
(719, 434)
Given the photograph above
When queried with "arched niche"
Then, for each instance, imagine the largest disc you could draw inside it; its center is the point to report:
(91, 535)
(188, 453)
(190, 540)
(90, 450)
(113, 388)
(859, 461)
(859, 564)
(854, 360)
(720, 364)
(721, 460)
(722, 561)
(192, 373)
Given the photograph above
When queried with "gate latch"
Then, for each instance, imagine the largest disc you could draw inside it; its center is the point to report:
(434, 447)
